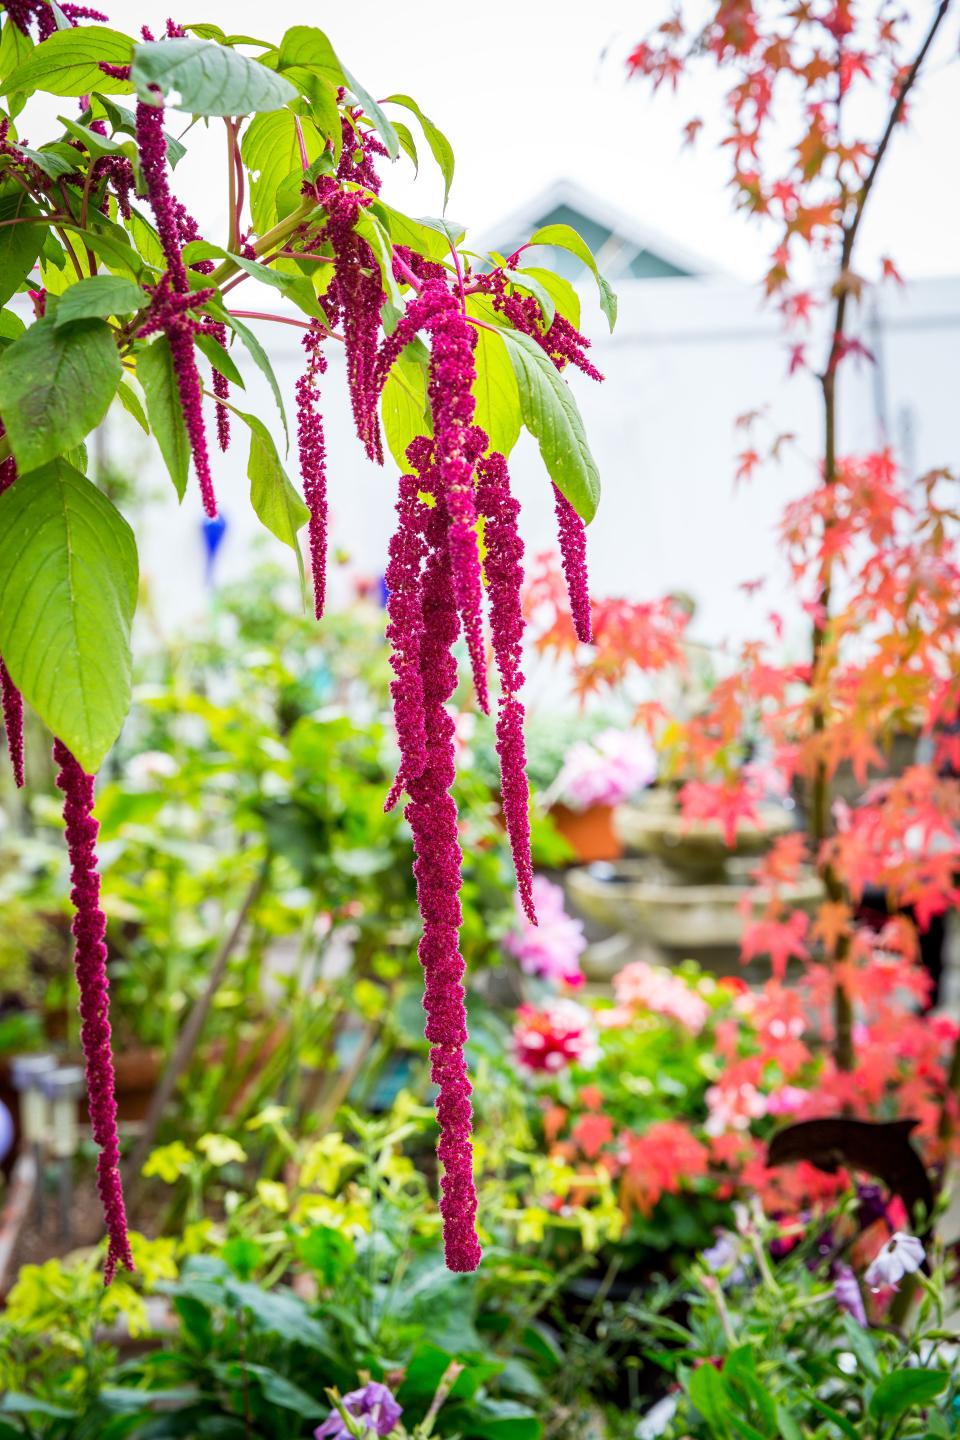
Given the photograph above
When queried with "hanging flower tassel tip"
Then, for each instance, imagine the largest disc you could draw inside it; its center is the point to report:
(90, 961)
(13, 722)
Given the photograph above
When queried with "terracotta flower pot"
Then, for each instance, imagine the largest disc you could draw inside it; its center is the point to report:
(589, 833)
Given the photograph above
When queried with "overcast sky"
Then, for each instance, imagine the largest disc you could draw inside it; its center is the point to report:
(532, 90)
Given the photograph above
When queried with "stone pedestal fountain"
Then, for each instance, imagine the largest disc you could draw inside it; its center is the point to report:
(680, 892)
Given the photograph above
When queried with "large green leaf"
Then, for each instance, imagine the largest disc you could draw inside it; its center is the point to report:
(404, 408)
(19, 244)
(55, 386)
(275, 501)
(271, 152)
(495, 389)
(440, 147)
(205, 78)
(900, 1391)
(68, 590)
(98, 297)
(550, 413)
(159, 380)
(566, 238)
(261, 359)
(68, 63)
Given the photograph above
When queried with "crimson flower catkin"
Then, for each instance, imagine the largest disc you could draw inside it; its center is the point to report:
(90, 962)
(503, 565)
(313, 460)
(432, 815)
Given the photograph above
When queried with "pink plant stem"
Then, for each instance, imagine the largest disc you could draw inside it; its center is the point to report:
(279, 319)
(412, 280)
(90, 961)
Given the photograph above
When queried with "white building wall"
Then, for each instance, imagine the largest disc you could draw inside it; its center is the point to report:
(688, 356)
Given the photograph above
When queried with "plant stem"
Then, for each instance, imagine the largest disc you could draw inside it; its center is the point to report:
(233, 219)
(268, 241)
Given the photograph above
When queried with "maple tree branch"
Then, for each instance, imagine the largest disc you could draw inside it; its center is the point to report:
(820, 794)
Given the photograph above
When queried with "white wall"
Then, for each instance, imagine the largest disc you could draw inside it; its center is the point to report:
(686, 359)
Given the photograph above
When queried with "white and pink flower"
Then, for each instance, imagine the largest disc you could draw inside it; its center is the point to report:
(548, 1038)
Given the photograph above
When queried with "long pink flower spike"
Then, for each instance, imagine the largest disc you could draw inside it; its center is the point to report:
(10, 697)
(503, 564)
(90, 961)
(313, 460)
(432, 815)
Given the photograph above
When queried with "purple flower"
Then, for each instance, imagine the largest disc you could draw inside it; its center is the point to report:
(551, 949)
(374, 1405)
(846, 1292)
(313, 460)
(90, 962)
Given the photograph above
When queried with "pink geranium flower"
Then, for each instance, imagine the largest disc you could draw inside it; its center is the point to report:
(547, 1039)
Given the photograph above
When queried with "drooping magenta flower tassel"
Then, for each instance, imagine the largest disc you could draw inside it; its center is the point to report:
(572, 535)
(452, 373)
(503, 565)
(432, 815)
(404, 632)
(90, 961)
(180, 330)
(313, 460)
(13, 723)
(221, 388)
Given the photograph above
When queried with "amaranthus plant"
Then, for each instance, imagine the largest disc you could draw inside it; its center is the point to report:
(447, 355)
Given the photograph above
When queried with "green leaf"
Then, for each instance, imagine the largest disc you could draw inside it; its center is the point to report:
(205, 78)
(11, 326)
(524, 280)
(407, 144)
(19, 244)
(99, 296)
(374, 114)
(260, 358)
(55, 160)
(862, 1346)
(307, 47)
(13, 1403)
(68, 590)
(275, 501)
(495, 389)
(425, 239)
(55, 386)
(903, 1389)
(116, 253)
(157, 375)
(68, 63)
(219, 358)
(271, 152)
(551, 415)
(440, 147)
(835, 1417)
(404, 408)
(283, 1392)
(564, 237)
(709, 1394)
(14, 48)
(97, 145)
(565, 298)
(125, 120)
(494, 1420)
(130, 401)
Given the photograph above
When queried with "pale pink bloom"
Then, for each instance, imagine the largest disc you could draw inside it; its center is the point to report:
(551, 949)
(607, 770)
(655, 988)
(733, 1108)
(787, 1100)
